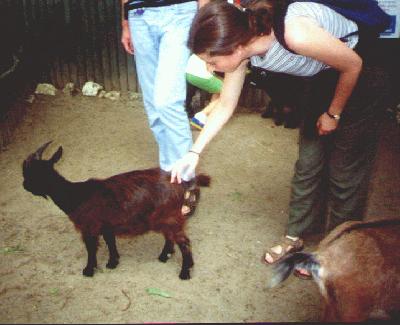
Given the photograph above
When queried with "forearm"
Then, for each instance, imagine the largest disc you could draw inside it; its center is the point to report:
(215, 121)
(224, 107)
(124, 22)
(344, 88)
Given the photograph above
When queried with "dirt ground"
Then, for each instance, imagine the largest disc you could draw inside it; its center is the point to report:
(239, 216)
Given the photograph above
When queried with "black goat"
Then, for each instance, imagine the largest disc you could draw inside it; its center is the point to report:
(127, 204)
(285, 92)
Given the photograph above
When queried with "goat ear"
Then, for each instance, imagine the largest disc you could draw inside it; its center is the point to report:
(56, 157)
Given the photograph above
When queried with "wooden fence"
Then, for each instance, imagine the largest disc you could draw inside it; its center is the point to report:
(62, 41)
(73, 41)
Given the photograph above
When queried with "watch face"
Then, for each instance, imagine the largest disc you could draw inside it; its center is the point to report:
(334, 116)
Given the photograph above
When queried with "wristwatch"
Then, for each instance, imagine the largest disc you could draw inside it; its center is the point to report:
(334, 116)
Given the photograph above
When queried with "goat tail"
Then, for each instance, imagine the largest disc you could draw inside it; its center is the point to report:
(283, 268)
(203, 180)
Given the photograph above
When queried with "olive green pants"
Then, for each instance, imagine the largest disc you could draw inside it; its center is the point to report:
(332, 173)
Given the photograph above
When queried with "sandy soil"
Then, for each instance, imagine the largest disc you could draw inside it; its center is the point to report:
(242, 213)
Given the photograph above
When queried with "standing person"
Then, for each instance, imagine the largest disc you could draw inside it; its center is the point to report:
(156, 32)
(344, 101)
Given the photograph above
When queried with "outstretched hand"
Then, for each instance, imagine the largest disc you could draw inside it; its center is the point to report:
(186, 165)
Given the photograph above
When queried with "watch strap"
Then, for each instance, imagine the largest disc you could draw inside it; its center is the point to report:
(333, 116)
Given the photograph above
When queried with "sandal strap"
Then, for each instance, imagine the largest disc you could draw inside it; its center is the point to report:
(288, 246)
(295, 244)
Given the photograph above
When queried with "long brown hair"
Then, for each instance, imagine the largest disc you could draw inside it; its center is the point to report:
(220, 27)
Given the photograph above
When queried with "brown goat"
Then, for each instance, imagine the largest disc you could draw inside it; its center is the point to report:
(127, 204)
(357, 269)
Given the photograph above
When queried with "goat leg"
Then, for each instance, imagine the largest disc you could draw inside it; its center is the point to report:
(109, 238)
(91, 243)
(187, 258)
(268, 113)
(292, 117)
(279, 116)
(167, 250)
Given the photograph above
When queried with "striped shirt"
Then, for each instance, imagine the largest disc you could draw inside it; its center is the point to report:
(278, 59)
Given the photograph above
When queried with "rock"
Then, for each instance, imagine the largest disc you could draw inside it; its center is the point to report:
(70, 89)
(45, 89)
(91, 88)
(30, 99)
(113, 95)
(135, 96)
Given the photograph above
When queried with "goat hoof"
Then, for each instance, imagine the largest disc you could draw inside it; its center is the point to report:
(88, 272)
(291, 125)
(184, 275)
(112, 264)
(267, 114)
(163, 258)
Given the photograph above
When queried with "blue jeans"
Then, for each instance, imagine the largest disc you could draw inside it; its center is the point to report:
(159, 36)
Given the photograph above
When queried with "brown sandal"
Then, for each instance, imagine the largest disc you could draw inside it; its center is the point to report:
(190, 199)
(287, 246)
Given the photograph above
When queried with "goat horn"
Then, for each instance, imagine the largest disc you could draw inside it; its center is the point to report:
(38, 154)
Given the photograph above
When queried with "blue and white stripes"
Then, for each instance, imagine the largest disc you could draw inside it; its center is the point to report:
(278, 59)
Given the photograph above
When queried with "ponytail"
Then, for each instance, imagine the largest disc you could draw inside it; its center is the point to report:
(262, 14)
(259, 21)
(219, 27)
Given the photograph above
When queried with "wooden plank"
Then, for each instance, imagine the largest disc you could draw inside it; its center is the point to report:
(122, 55)
(114, 47)
(105, 43)
(70, 59)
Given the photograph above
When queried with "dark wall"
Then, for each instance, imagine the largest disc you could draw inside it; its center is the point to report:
(388, 54)
(61, 41)
(67, 41)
